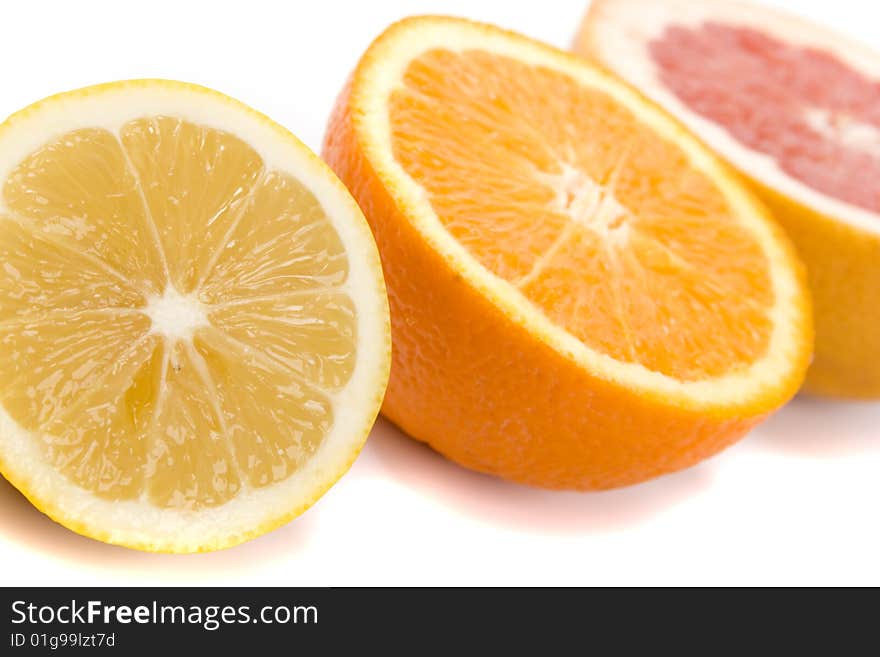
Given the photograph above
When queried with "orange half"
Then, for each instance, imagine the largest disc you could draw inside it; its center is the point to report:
(582, 296)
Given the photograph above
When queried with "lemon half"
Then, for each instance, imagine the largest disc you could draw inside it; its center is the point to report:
(194, 332)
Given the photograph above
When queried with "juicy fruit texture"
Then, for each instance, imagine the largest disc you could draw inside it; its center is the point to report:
(581, 296)
(805, 108)
(597, 220)
(168, 434)
(794, 107)
(176, 322)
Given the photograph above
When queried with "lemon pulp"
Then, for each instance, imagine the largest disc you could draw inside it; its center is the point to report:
(172, 313)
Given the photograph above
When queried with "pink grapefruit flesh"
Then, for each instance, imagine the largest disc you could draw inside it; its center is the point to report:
(817, 117)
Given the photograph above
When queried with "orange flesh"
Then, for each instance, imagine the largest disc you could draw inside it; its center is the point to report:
(97, 228)
(599, 222)
(808, 110)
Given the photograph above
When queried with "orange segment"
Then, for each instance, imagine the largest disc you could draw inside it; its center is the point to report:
(691, 321)
(562, 204)
(449, 133)
(570, 287)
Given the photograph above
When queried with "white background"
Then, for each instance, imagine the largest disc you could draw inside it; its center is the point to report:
(797, 502)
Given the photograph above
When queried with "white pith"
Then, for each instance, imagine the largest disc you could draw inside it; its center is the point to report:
(381, 73)
(589, 203)
(174, 315)
(138, 523)
(619, 32)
